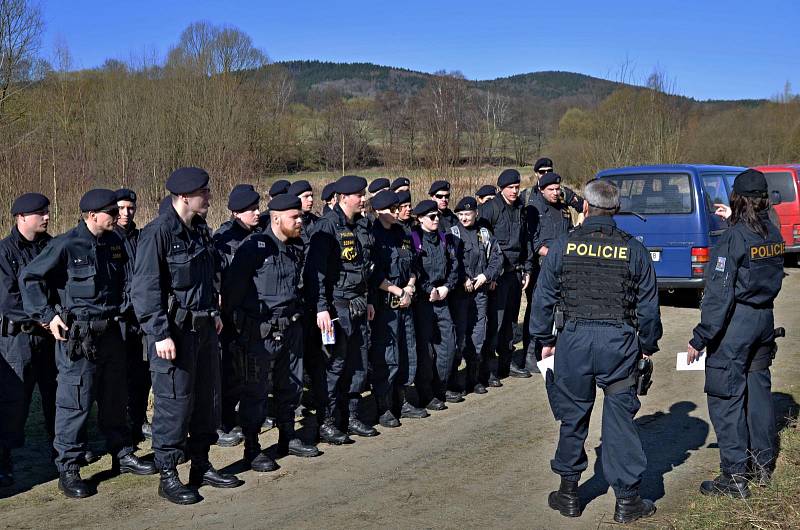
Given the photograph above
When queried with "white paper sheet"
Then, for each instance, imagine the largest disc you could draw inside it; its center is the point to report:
(681, 364)
(545, 364)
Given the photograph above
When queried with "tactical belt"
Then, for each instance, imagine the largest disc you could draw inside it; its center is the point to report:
(187, 318)
(10, 328)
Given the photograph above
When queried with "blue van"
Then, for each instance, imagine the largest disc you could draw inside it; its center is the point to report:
(670, 209)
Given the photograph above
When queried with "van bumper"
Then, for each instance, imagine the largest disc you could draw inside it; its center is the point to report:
(791, 249)
(681, 283)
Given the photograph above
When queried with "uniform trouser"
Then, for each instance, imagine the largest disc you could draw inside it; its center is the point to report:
(436, 346)
(393, 349)
(281, 362)
(731, 400)
(230, 381)
(26, 361)
(187, 394)
(508, 296)
(343, 371)
(469, 316)
(138, 374)
(761, 426)
(82, 382)
(533, 351)
(589, 354)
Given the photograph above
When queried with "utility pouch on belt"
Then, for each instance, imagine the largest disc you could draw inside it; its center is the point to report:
(558, 319)
(83, 337)
(766, 353)
(358, 307)
(644, 374)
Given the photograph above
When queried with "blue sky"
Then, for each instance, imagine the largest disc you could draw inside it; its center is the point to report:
(709, 48)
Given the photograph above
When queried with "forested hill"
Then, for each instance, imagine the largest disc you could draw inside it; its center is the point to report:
(367, 79)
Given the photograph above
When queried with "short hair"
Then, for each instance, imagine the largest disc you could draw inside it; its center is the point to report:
(602, 195)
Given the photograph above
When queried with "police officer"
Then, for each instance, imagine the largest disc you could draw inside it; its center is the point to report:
(482, 264)
(175, 295)
(328, 197)
(505, 216)
(86, 266)
(378, 185)
(603, 283)
(393, 348)
(485, 193)
(243, 203)
(400, 184)
(438, 276)
(264, 305)
(138, 369)
(404, 218)
(279, 187)
(302, 189)
(439, 192)
(743, 278)
(548, 217)
(26, 346)
(336, 280)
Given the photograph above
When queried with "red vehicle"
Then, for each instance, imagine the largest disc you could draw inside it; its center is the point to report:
(784, 179)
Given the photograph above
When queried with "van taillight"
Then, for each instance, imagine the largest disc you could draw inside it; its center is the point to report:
(700, 256)
(796, 233)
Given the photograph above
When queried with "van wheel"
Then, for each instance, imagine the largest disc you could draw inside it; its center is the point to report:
(790, 260)
(699, 296)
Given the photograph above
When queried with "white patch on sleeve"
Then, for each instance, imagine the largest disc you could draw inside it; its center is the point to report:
(720, 264)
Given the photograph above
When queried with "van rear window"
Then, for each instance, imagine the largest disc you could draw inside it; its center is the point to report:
(781, 181)
(654, 193)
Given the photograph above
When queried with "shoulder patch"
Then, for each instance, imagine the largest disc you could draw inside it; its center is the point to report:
(720, 267)
(261, 244)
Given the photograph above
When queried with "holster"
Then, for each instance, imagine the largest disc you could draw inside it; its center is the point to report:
(83, 336)
(358, 307)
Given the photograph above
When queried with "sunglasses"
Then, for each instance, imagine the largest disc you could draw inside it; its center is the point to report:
(443, 196)
(543, 171)
(113, 212)
(432, 216)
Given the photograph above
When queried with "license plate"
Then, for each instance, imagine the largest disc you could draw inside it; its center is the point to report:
(655, 255)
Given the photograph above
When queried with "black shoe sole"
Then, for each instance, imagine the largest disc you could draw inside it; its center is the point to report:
(328, 441)
(122, 470)
(229, 444)
(388, 425)
(219, 485)
(624, 520)
(269, 469)
(519, 376)
(559, 509)
(716, 492)
(304, 455)
(363, 435)
(175, 501)
(72, 496)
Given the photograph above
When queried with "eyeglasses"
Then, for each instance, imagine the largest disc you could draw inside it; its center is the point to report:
(432, 216)
(113, 212)
(443, 196)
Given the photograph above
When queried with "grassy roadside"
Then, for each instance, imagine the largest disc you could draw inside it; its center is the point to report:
(774, 507)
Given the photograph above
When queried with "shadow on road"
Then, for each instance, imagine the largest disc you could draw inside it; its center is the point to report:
(667, 439)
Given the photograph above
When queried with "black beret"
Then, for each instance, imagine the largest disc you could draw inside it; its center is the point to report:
(186, 180)
(298, 187)
(439, 185)
(384, 199)
(328, 191)
(507, 178)
(165, 205)
(283, 202)
(466, 204)
(543, 162)
(750, 183)
(98, 199)
(279, 187)
(424, 207)
(29, 203)
(403, 197)
(242, 197)
(349, 184)
(378, 184)
(549, 178)
(485, 190)
(126, 194)
(399, 182)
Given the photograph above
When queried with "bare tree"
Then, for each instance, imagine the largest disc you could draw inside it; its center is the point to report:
(21, 29)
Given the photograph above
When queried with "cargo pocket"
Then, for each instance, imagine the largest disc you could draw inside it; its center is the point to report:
(718, 381)
(80, 281)
(163, 379)
(553, 394)
(180, 268)
(68, 395)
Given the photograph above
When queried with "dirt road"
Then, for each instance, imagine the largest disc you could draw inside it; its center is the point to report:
(482, 463)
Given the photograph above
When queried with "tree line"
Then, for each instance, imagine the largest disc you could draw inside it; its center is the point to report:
(216, 101)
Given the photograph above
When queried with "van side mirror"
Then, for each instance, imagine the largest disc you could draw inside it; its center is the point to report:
(775, 197)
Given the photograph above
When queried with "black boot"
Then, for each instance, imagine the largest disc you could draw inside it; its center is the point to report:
(255, 458)
(130, 463)
(171, 488)
(328, 433)
(229, 439)
(385, 415)
(268, 424)
(565, 500)
(436, 404)
(453, 397)
(494, 381)
(731, 485)
(629, 510)
(202, 473)
(473, 381)
(516, 371)
(407, 410)
(290, 444)
(73, 486)
(6, 468)
(359, 428)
